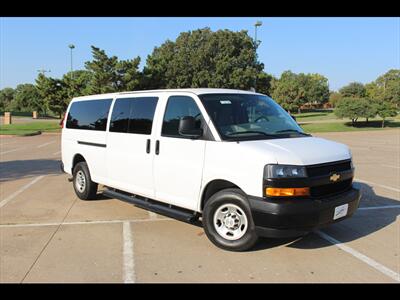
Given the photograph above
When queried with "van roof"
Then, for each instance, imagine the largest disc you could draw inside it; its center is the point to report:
(197, 91)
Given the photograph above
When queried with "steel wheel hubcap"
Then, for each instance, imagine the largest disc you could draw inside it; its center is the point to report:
(230, 222)
(80, 181)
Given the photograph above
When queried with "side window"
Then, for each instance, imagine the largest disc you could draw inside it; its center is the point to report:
(89, 115)
(133, 115)
(142, 114)
(120, 115)
(178, 107)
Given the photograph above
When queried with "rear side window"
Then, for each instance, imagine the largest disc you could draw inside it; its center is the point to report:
(89, 115)
(178, 107)
(133, 115)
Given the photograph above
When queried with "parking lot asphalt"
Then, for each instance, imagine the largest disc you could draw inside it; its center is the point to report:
(48, 235)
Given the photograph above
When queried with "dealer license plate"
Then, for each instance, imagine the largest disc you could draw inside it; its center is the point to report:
(340, 211)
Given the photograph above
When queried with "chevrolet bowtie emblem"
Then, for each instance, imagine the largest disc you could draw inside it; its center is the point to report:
(334, 177)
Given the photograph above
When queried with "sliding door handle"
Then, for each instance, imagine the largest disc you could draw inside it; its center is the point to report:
(157, 147)
(148, 146)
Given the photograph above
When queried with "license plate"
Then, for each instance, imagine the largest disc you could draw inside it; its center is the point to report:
(340, 211)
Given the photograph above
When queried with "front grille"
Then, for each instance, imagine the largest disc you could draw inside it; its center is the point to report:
(327, 169)
(330, 189)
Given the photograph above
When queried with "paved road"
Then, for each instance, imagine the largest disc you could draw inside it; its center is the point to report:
(48, 235)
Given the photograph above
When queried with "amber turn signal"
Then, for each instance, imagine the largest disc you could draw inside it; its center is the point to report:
(287, 192)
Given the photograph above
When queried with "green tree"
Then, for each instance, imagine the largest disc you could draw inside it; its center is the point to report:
(108, 74)
(58, 102)
(53, 94)
(353, 89)
(264, 82)
(294, 90)
(43, 85)
(129, 77)
(386, 109)
(289, 90)
(6, 96)
(26, 98)
(203, 58)
(369, 108)
(317, 89)
(386, 87)
(77, 83)
(334, 98)
(103, 72)
(354, 108)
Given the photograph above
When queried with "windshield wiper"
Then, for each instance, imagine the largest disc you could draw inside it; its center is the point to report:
(293, 130)
(252, 131)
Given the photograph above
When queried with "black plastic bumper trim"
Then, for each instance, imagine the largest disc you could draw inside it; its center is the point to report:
(284, 218)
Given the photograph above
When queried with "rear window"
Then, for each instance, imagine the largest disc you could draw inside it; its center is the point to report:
(89, 115)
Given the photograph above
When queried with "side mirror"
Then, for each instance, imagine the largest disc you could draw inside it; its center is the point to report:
(187, 128)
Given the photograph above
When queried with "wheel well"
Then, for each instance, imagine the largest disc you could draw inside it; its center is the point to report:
(77, 159)
(214, 187)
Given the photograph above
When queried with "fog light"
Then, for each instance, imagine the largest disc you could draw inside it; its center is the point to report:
(287, 192)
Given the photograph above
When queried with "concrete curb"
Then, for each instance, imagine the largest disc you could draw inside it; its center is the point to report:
(16, 135)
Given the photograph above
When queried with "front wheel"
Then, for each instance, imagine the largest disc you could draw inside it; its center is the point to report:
(228, 222)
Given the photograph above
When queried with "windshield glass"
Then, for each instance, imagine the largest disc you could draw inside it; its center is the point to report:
(248, 117)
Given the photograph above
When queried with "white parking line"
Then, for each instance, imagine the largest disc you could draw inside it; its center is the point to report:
(56, 153)
(377, 184)
(12, 196)
(81, 223)
(389, 166)
(3, 144)
(369, 261)
(45, 144)
(379, 207)
(5, 152)
(129, 266)
(152, 215)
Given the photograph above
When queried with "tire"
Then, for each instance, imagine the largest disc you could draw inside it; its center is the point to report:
(84, 187)
(237, 231)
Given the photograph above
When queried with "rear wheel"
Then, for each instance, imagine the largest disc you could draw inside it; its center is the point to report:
(84, 187)
(228, 222)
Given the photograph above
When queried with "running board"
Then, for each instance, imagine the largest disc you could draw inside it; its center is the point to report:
(163, 209)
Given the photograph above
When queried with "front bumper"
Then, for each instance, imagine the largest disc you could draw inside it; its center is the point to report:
(282, 218)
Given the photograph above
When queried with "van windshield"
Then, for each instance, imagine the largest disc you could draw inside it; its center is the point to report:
(249, 117)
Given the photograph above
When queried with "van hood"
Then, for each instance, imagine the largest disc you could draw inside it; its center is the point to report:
(302, 151)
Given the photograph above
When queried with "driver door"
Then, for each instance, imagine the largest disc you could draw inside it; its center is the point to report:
(178, 160)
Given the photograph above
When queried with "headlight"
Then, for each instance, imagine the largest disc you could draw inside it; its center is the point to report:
(284, 171)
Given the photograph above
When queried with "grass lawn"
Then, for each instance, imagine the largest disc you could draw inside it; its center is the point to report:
(315, 116)
(327, 116)
(29, 128)
(346, 126)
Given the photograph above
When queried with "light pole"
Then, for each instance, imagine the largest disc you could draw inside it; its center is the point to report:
(256, 44)
(71, 46)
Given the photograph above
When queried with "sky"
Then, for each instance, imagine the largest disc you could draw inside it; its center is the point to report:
(342, 49)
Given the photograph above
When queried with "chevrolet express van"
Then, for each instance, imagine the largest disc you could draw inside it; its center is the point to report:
(234, 160)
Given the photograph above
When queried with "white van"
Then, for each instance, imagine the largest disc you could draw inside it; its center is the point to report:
(233, 158)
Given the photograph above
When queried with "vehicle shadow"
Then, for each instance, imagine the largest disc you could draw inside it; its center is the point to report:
(361, 224)
(17, 169)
